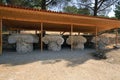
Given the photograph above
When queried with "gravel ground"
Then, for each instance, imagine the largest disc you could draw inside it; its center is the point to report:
(62, 65)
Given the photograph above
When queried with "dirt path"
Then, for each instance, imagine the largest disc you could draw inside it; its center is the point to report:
(63, 65)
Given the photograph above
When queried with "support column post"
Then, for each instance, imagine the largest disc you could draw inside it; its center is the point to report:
(78, 33)
(41, 36)
(71, 34)
(0, 36)
(35, 31)
(96, 34)
(116, 40)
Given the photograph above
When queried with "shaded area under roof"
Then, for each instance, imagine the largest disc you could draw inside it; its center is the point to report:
(31, 19)
(26, 25)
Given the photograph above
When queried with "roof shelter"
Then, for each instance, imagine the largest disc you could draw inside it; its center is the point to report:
(19, 18)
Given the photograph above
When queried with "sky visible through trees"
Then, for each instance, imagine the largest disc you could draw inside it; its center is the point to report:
(107, 11)
(86, 7)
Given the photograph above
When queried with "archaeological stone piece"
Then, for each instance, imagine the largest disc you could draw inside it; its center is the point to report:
(76, 41)
(104, 40)
(24, 42)
(54, 42)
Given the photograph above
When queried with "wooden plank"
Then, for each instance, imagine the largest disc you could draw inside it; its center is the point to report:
(41, 36)
(34, 12)
(71, 33)
(62, 33)
(116, 41)
(0, 36)
(51, 17)
(36, 32)
(39, 15)
(96, 35)
(50, 21)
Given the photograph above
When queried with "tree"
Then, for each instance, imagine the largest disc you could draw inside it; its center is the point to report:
(43, 4)
(84, 11)
(117, 11)
(75, 10)
(96, 6)
(70, 9)
(1, 1)
(48, 3)
(25, 3)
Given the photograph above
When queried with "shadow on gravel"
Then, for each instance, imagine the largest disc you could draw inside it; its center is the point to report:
(72, 58)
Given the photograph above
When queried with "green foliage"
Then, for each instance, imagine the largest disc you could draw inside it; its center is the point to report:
(75, 10)
(117, 11)
(96, 7)
(70, 9)
(24, 3)
(84, 11)
(41, 4)
(1, 1)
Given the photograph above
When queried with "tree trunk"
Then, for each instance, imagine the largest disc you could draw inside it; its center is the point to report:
(43, 5)
(95, 8)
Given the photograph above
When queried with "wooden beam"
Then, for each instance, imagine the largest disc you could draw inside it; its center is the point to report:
(41, 36)
(71, 34)
(36, 32)
(96, 35)
(62, 33)
(0, 36)
(116, 41)
(49, 21)
(48, 17)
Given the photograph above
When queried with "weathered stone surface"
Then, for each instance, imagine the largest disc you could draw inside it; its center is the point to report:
(54, 42)
(5, 43)
(24, 42)
(77, 41)
(104, 40)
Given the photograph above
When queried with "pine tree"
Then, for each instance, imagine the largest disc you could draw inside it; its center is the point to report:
(117, 11)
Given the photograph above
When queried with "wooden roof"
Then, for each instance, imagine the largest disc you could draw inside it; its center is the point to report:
(30, 19)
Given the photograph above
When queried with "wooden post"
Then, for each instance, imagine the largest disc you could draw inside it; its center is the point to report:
(62, 33)
(96, 34)
(0, 36)
(41, 36)
(36, 32)
(71, 34)
(116, 41)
